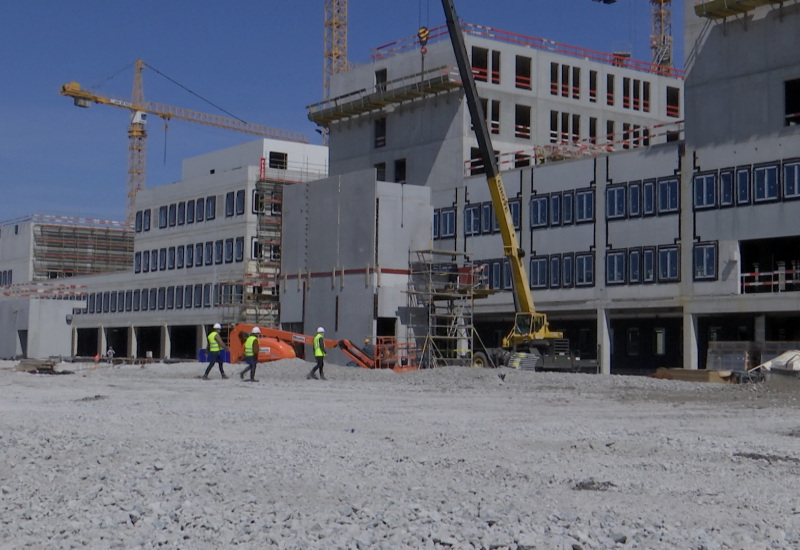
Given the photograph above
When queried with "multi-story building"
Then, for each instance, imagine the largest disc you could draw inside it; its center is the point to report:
(205, 249)
(647, 257)
(41, 259)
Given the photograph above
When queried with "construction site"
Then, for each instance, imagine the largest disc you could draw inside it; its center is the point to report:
(482, 197)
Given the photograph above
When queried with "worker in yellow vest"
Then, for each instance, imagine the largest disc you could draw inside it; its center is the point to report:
(319, 355)
(251, 350)
(215, 346)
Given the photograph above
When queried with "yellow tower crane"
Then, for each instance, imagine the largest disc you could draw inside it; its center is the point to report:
(661, 36)
(137, 134)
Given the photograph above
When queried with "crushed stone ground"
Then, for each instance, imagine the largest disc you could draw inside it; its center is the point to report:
(154, 457)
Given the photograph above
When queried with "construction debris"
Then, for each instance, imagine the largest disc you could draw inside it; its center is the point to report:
(40, 366)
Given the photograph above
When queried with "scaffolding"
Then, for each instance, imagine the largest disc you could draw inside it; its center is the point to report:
(442, 288)
(67, 249)
(254, 298)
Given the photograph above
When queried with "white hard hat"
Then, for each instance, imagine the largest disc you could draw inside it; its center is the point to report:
(217, 325)
(256, 330)
(320, 329)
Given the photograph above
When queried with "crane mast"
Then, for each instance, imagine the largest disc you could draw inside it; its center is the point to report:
(137, 133)
(529, 325)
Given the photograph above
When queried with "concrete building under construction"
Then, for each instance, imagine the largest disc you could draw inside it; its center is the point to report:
(664, 228)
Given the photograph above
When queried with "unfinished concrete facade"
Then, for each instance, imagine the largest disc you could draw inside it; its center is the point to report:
(645, 257)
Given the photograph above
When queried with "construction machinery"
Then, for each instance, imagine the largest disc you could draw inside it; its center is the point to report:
(530, 343)
(275, 344)
(137, 133)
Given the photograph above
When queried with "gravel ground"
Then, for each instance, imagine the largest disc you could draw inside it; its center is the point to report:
(130, 457)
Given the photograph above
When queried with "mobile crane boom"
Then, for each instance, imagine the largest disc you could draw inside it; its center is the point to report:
(530, 326)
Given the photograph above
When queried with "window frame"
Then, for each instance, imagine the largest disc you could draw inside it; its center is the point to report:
(704, 190)
(710, 251)
(743, 186)
(634, 266)
(648, 198)
(584, 263)
(616, 260)
(539, 211)
(555, 209)
(669, 252)
(472, 220)
(554, 271)
(635, 199)
(649, 253)
(768, 197)
(580, 213)
(671, 186)
(726, 173)
(794, 164)
(616, 202)
(538, 266)
(567, 270)
(568, 208)
(447, 219)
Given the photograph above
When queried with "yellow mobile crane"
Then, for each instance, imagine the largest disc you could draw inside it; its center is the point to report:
(531, 332)
(137, 134)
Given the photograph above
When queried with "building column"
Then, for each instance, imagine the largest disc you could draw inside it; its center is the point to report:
(101, 341)
(133, 344)
(690, 353)
(166, 345)
(760, 328)
(603, 342)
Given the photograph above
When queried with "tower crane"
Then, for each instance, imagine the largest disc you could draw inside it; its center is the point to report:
(661, 36)
(137, 133)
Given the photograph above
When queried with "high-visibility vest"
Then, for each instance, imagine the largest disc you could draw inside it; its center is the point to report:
(248, 345)
(213, 345)
(319, 346)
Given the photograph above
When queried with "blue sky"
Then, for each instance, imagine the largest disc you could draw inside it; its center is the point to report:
(260, 60)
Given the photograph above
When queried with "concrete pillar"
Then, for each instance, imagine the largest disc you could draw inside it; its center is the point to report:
(133, 344)
(166, 345)
(690, 348)
(603, 342)
(101, 341)
(760, 328)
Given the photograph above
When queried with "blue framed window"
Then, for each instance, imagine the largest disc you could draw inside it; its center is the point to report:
(508, 280)
(615, 202)
(584, 207)
(539, 211)
(634, 266)
(539, 272)
(668, 196)
(743, 186)
(584, 269)
(448, 223)
(496, 275)
(765, 183)
(615, 267)
(649, 198)
(211, 207)
(472, 220)
(705, 262)
(791, 180)
(555, 209)
(726, 196)
(487, 211)
(648, 265)
(568, 201)
(435, 224)
(515, 207)
(555, 271)
(567, 271)
(705, 191)
(668, 264)
(635, 199)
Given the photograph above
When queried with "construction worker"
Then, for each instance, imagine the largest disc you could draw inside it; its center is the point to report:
(215, 345)
(251, 354)
(319, 355)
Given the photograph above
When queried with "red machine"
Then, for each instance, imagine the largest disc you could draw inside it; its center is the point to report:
(275, 344)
